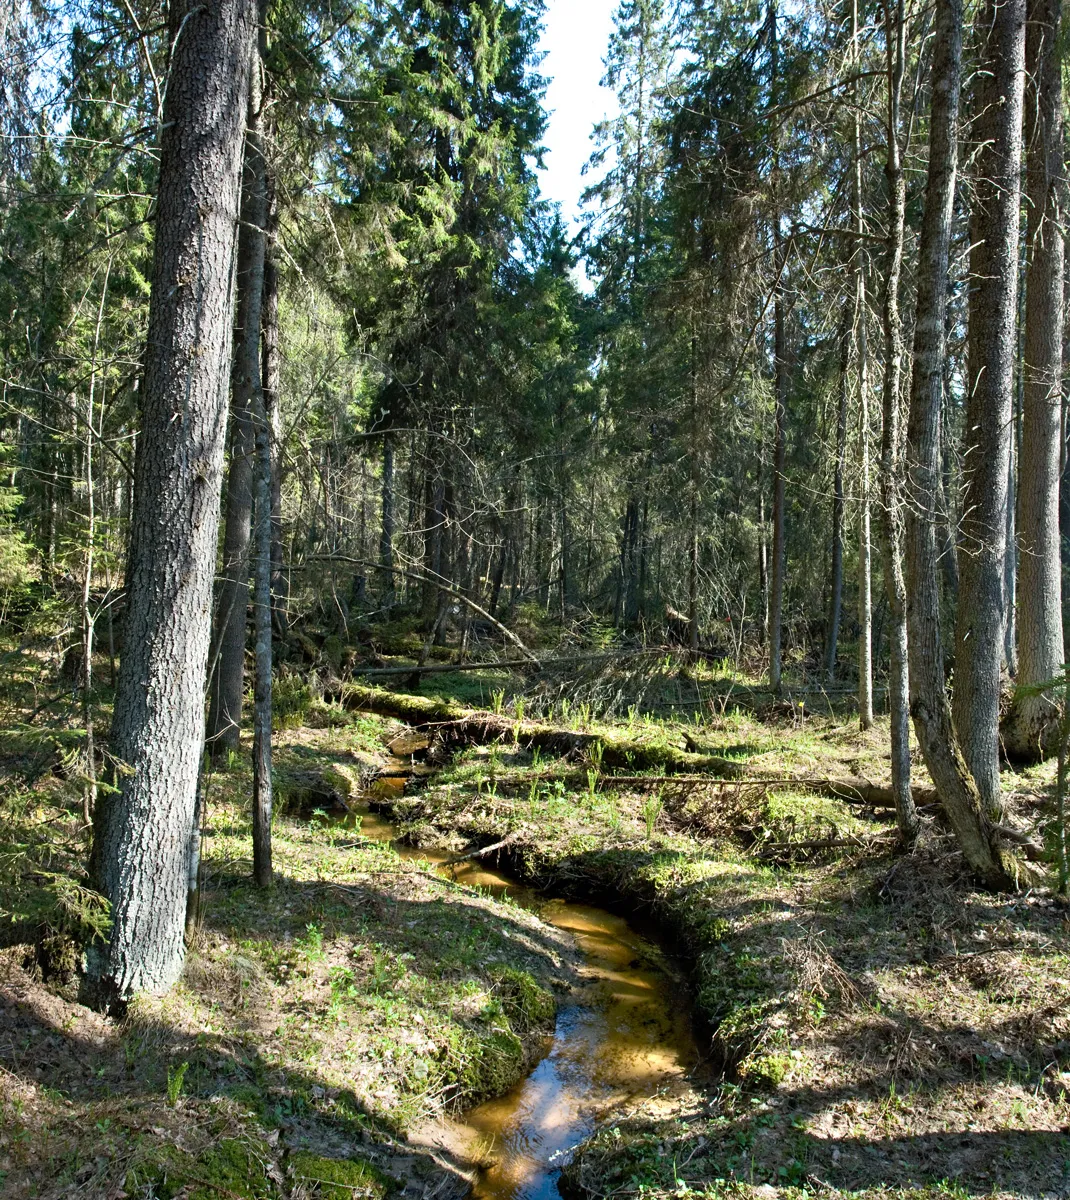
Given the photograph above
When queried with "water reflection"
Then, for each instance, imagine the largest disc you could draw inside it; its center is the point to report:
(620, 1035)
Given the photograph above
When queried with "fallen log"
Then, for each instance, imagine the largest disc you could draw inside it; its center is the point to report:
(482, 853)
(779, 849)
(852, 791)
(454, 724)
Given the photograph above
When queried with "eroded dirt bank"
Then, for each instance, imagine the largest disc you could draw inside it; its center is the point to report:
(622, 1033)
(880, 1026)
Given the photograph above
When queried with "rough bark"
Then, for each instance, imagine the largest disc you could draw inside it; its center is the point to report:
(1030, 731)
(271, 376)
(228, 680)
(256, 211)
(928, 694)
(262, 789)
(832, 636)
(780, 465)
(892, 440)
(143, 830)
(994, 224)
(228, 656)
(858, 332)
(778, 566)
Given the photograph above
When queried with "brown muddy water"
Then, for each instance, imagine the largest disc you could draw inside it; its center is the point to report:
(623, 1034)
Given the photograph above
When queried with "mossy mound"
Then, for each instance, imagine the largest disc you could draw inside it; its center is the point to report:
(336, 1178)
(231, 1167)
(527, 1005)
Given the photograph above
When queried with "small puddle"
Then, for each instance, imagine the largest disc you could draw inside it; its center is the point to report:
(622, 1034)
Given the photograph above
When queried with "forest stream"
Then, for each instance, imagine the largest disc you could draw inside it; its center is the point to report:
(623, 1034)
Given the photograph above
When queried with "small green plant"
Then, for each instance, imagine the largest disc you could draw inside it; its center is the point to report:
(175, 1078)
(312, 943)
(611, 810)
(536, 757)
(652, 809)
(592, 786)
(595, 754)
(497, 701)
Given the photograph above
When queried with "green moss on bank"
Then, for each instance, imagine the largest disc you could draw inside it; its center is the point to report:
(358, 996)
(875, 1025)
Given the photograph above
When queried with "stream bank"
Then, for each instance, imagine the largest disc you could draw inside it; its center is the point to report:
(621, 1034)
(857, 1003)
(914, 1034)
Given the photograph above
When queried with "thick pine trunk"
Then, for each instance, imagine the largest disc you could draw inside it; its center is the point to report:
(994, 227)
(892, 442)
(928, 692)
(143, 831)
(1029, 732)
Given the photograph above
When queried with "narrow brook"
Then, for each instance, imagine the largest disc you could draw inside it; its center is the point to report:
(621, 1035)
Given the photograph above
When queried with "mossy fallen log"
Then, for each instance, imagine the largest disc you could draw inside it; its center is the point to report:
(455, 725)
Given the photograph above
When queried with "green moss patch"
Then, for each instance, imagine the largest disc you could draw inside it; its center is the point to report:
(336, 1179)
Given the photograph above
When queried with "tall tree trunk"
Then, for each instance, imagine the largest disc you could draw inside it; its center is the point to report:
(861, 351)
(892, 438)
(832, 635)
(87, 614)
(262, 786)
(434, 522)
(994, 227)
(781, 368)
(386, 528)
(256, 211)
(947, 523)
(271, 375)
(763, 554)
(1010, 565)
(928, 693)
(228, 679)
(692, 507)
(780, 467)
(1031, 727)
(143, 830)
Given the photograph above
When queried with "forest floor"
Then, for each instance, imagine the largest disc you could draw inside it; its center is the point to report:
(873, 1026)
(313, 1027)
